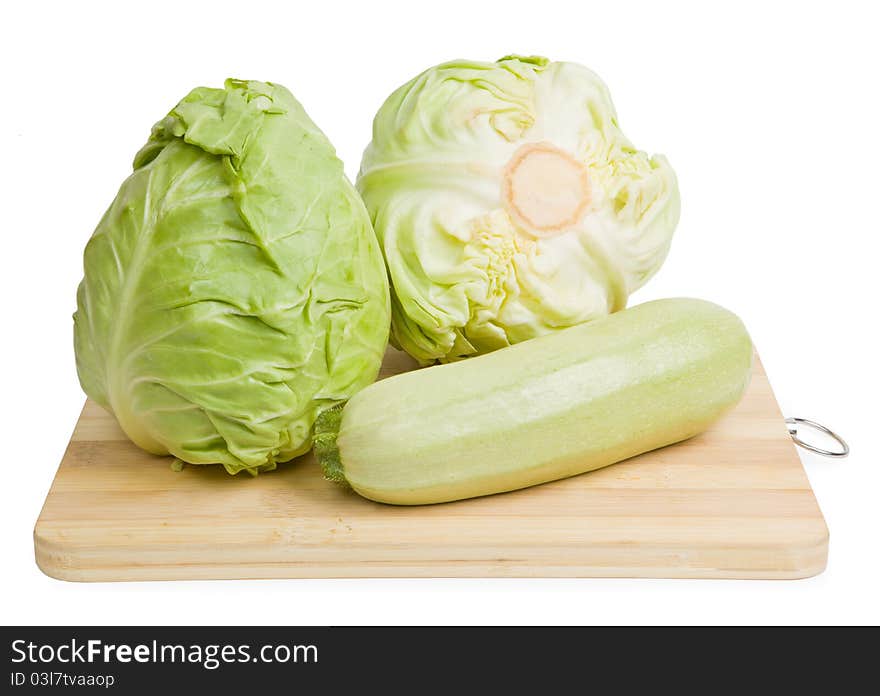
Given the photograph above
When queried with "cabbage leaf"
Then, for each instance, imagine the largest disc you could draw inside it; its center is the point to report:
(509, 204)
(234, 288)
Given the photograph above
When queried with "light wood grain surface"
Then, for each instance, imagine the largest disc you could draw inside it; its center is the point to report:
(731, 503)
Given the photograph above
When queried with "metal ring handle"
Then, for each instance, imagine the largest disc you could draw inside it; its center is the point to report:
(793, 424)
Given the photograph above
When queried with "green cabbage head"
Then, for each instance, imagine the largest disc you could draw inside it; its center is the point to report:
(234, 288)
(509, 204)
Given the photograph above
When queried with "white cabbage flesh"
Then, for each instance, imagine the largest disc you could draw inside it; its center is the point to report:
(509, 204)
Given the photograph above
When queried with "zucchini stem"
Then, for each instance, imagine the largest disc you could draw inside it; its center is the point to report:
(324, 441)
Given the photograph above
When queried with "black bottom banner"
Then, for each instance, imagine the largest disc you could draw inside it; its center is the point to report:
(243, 660)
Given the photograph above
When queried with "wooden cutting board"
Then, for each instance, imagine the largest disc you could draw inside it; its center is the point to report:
(732, 503)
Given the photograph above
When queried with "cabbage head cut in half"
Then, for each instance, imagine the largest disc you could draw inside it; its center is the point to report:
(234, 288)
(509, 204)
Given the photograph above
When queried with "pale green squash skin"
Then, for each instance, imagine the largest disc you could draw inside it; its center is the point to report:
(548, 408)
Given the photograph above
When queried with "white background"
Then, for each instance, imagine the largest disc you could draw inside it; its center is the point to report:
(769, 112)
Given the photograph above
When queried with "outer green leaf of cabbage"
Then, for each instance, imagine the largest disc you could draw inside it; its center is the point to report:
(234, 288)
(468, 276)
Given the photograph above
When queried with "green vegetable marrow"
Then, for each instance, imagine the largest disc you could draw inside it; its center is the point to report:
(545, 409)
